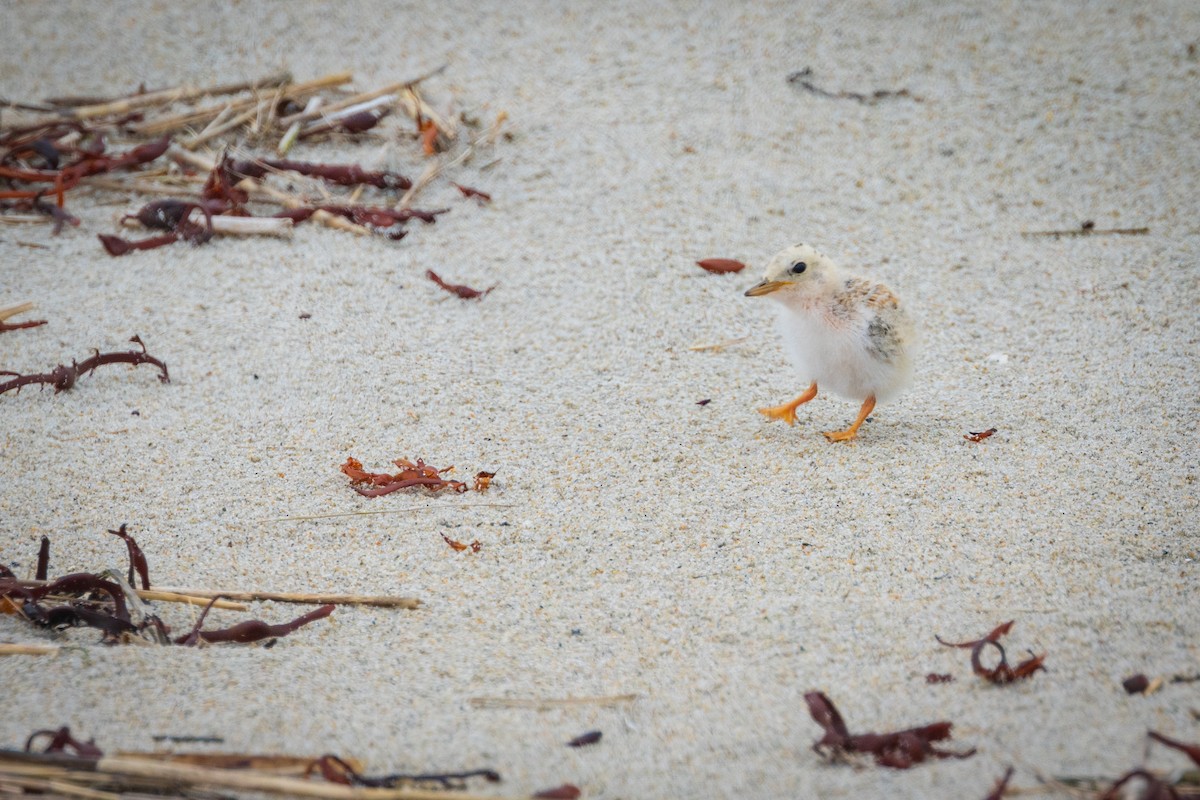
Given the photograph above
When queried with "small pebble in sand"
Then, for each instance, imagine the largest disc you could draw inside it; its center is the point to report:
(850, 335)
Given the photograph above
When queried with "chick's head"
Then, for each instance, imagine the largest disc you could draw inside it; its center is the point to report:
(794, 272)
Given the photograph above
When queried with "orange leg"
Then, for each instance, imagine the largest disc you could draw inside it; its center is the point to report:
(787, 411)
(851, 432)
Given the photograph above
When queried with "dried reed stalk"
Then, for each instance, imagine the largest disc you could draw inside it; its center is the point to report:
(382, 601)
(196, 116)
(12, 311)
(127, 104)
(166, 596)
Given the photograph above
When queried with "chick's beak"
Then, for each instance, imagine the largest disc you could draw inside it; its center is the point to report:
(766, 287)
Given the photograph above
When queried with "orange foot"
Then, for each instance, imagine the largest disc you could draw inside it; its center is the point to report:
(852, 432)
(787, 411)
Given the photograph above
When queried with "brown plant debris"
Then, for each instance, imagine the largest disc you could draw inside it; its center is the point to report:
(377, 484)
(720, 266)
(568, 791)
(61, 741)
(337, 770)
(1002, 673)
(802, 79)
(935, 677)
(137, 559)
(63, 377)
(979, 436)
(1088, 228)
(1001, 785)
(249, 631)
(899, 750)
(467, 191)
(483, 480)
(585, 739)
(64, 766)
(1136, 684)
(115, 608)
(7, 313)
(465, 292)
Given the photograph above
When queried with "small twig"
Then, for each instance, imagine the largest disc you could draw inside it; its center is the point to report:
(718, 345)
(165, 596)
(213, 131)
(12, 311)
(1088, 228)
(7, 649)
(293, 131)
(331, 120)
(165, 96)
(241, 226)
(195, 117)
(381, 601)
(801, 79)
(385, 511)
(566, 702)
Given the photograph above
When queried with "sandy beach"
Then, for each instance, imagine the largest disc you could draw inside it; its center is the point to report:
(711, 565)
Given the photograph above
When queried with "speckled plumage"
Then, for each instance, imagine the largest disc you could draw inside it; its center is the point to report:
(847, 334)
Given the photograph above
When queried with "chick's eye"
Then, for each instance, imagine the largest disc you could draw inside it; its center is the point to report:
(798, 267)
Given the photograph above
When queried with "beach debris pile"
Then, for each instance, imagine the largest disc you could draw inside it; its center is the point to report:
(56, 758)
(219, 159)
(111, 603)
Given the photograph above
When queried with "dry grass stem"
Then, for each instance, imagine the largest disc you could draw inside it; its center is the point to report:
(166, 596)
(240, 226)
(202, 115)
(139, 774)
(8, 649)
(550, 703)
(696, 348)
(385, 511)
(293, 131)
(127, 104)
(213, 131)
(380, 601)
(12, 311)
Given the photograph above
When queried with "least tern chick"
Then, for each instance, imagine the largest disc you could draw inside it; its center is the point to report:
(847, 334)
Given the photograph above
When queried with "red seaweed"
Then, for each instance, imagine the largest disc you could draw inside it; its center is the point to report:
(43, 560)
(1002, 673)
(61, 740)
(410, 474)
(340, 174)
(1155, 789)
(899, 750)
(336, 770)
(249, 631)
(1001, 785)
(465, 292)
(1192, 751)
(15, 326)
(172, 215)
(117, 246)
(568, 791)
(63, 377)
(584, 739)
(979, 436)
(467, 191)
(137, 559)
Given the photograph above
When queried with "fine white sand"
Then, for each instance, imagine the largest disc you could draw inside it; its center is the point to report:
(714, 565)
